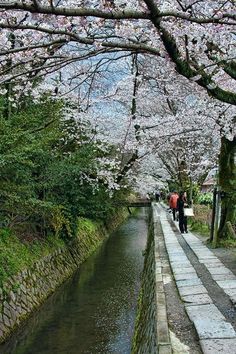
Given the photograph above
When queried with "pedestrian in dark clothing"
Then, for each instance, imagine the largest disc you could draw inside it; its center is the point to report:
(157, 196)
(181, 204)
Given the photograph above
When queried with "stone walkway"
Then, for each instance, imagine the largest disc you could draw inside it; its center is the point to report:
(215, 332)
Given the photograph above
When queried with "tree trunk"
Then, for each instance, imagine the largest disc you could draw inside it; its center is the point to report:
(227, 183)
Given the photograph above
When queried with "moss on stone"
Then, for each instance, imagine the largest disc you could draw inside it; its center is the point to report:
(145, 325)
(16, 255)
(46, 267)
(227, 182)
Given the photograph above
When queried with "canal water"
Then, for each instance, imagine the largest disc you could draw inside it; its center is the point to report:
(94, 311)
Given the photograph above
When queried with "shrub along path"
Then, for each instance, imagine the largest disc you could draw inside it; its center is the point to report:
(206, 287)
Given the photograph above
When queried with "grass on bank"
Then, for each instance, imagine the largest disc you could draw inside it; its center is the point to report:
(17, 254)
(227, 243)
(199, 227)
(203, 229)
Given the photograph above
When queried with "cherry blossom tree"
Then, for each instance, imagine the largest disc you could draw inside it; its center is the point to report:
(195, 38)
(164, 130)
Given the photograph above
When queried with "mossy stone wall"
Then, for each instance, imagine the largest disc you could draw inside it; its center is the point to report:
(22, 293)
(145, 337)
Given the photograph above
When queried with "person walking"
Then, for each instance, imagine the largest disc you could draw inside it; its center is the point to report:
(181, 204)
(173, 203)
(157, 195)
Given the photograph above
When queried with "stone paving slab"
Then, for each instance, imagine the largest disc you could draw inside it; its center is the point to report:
(220, 273)
(198, 299)
(197, 245)
(183, 262)
(163, 332)
(203, 259)
(176, 265)
(161, 313)
(177, 256)
(223, 277)
(158, 277)
(186, 276)
(204, 253)
(176, 251)
(186, 270)
(220, 270)
(188, 282)
(165, 349)
(213, 263)
(223, 270)
(158, 270)
(231, 292)
(219, 346)
(209, 322)
(177, 248)
(159, 286)
(192, 290)
(227, 284)
(169, 243)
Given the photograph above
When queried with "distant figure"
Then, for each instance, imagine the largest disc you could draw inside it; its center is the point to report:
(173, 203)
(162, 195)
(168, 198)
(181, 204)
(157, 195)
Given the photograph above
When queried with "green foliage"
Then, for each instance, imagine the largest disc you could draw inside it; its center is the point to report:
(48, 184)
(173, 186)
(25, 151)
(227, 243)
(85, 225)
(205, 199)
(195, 192)
(199, 227)
(48, 169)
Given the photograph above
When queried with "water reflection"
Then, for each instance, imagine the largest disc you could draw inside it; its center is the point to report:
(94, 311)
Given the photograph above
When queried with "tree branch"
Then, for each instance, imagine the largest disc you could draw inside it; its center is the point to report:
(112, 14)
(182, 66)
(208, 20)
(139, 47)
(30, 47)
(75, 12)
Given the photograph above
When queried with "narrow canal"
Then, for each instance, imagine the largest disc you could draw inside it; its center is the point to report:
(94, 311)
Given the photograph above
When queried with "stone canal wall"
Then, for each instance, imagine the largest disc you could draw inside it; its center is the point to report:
(23, 293)
(145, 337)
(151, 330)
(26, 291)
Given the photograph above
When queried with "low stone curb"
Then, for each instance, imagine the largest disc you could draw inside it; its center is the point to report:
(163, 336)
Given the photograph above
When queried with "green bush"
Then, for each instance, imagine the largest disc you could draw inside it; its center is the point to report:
(205, 199)
(199, 227)
(48, 172)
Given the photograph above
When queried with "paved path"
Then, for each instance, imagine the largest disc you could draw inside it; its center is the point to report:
(215, 330)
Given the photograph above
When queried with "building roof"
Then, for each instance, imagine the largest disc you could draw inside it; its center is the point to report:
(209, 182)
